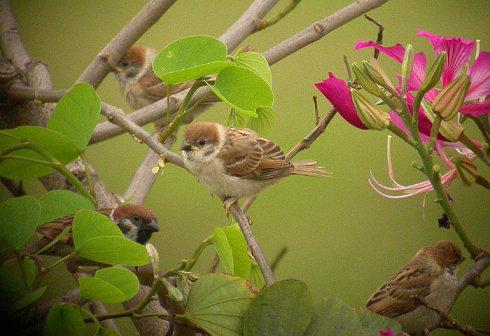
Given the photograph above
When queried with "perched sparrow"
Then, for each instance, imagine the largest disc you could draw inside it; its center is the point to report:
(429, 278)
(136, 222)
(235, 162)
(139, 85)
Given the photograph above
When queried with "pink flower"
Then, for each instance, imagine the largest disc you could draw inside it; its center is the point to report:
(458, 52)
(388, 332)
(338, 93)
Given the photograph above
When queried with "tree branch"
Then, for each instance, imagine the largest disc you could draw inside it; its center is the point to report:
(318, 29)
(474, 272)
(117, 47)
(309, 35)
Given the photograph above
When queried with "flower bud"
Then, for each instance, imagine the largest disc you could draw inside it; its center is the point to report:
(434, 74)
(450, 129)
(449, 101)
(377, 74)
(407, 66)
(365, 81)
(466, 170)
(154, 258)
(370, 114)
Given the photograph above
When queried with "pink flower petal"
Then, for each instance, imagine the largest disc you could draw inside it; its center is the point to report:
(338, 93)
(396, 52)
(418, 72)
(480, 77)
(476, 110)
(458, 51)
(388, 332)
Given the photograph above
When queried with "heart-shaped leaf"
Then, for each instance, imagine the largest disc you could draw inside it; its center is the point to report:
(56, 144)
(19, 218)
(28, 299)
(114, 250)
(58, 203)
(76, 114)
(13, 287)
(110, 285)
(232, 250)
(243, 90)
(256, 277)
(89, 224)
(217, 303)
(285, 308)
(64, 320)
(190, 58)
(254, 61)
(373, 323)
(333, 317)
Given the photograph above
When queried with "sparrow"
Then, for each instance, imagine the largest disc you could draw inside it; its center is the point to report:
(235, 162)
(428, 278)
(136, 222)
(139, 84)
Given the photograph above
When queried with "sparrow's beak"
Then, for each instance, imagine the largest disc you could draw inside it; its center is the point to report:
(153, 226)
(187, 146)
(117, 69)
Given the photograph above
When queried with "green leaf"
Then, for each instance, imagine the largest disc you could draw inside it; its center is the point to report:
(28, 299)
(243, 90)
(12, 284)
(239, 248)
(190, 58)
(254, 61)
(217, 303)
(110, 285)
(373, 323)
(58, 203)
(89, 224)
(19, 218)
(114, 250)
(223, 249)
(64, 320)
(263, 122)
(256, 277)
(58, 145)
(77, 114)
(333, 317)
(285, 308)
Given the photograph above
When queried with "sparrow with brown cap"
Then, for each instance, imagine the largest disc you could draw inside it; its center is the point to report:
(429, 279)
(234, 163)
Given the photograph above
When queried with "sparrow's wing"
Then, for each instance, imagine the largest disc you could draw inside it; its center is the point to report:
(155, 89)
(247, 155)
(396, 297)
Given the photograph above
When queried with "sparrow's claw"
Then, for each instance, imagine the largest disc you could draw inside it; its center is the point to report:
(228, 203)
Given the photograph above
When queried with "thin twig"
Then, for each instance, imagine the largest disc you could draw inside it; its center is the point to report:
(379, 39)
(317, 114)
(272, 21)
(447, 322)
(279, 257)
(257, 252)
(304, 143)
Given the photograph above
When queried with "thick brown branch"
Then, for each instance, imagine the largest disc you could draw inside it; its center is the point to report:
(474, 272)
(117, 47)
(318, 29)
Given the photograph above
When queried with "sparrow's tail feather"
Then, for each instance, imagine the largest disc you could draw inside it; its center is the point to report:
(309, 168)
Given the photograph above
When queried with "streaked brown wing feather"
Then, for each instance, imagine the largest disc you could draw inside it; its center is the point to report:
(395, 297)
(247, 155)
(155, 89)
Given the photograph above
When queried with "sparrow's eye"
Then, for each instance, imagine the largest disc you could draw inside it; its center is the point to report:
(201, 142)
(124, 64)
(137, 220)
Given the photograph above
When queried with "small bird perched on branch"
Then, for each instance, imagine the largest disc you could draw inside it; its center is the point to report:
(139, 84)
(136, 222)
(429, 279)
(235, 162)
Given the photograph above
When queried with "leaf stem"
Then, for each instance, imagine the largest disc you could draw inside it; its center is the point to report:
(59, 261)
(88, 175)
(197, 253)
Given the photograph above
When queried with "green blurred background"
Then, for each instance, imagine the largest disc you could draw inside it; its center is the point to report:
(344, 240)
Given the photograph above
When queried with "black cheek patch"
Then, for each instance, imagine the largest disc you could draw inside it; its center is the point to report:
(209, 152)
